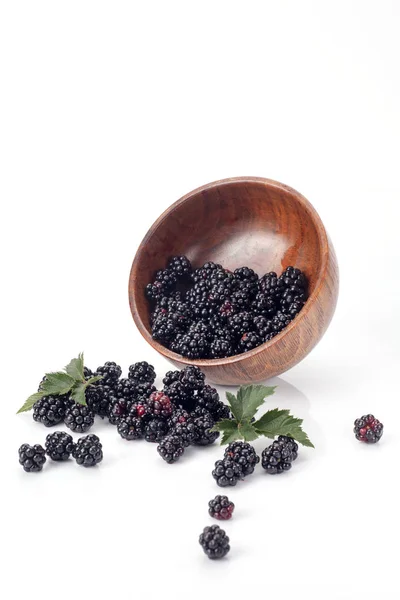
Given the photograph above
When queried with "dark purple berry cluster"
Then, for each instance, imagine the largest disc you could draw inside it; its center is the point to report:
(211, 312)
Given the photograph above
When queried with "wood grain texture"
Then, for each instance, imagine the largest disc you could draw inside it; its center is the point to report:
(249, 221)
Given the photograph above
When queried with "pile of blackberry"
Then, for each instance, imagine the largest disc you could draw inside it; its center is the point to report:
(211, 312)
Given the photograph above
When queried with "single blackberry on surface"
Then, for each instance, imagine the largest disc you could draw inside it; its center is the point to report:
(214, 542)
(78, 418)
(221, 508)
(160, 405)
(171, 448)
(155, 430)
(244, 455)
(368, 429)
(181, 266)
(50, 410)
(249, 341)
(111, 372)
(130, 427)
(98, 399)
(59, 445)
(227, 472)
(32, 458)
(186, 431)
(88, 451)
(278, 457)
(203, 422)
(142, 372)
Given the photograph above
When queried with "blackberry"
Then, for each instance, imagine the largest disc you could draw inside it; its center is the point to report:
(88, 451)
(292, 276)
(205, 272)
(59, 445)
(244, 455)
(279, 322)
(111, 372)
(264, 305)
(130, 427)
(166, 277)
(160, 405)
(142, 372)
(208, 398)
(221, 508)
(118, 409)
(192, 345)
(227, 472)
(87, 373)
(245, 274)
(181, 266)
(249, 341)
(126, 388)
(50, 410)
(204, 421)
(32, 458)
(164, 329)
(98, 399)
(154, 291)
(171, 448)
(78, 418)
(227, 309)
(192, 378)
(155, 430)
(214, 542)
(368, 429)
(179, 416)
(186, 431)
(278, 457)
(241, 323)
(220, 348)
(268, 284)
(170, 377)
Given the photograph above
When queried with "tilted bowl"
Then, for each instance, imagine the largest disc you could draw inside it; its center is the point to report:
(244, 221)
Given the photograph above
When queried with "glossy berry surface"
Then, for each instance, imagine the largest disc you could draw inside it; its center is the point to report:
(221, 508)
(278, 457)
(368, 429)
(50, 410)
(214, 542)
(244, 455)
(59, 445)
(171, 448)
(79, 418)
(226, 472)
(32, 458)
(88, 451)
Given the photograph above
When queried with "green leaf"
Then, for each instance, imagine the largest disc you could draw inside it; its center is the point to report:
(92, 380)
(30, 402)
(75, 368)
(247, 432)
(57, 383)
(78, 393)
(251, 397)
(236, 406)
(229, 430)
(280, 422)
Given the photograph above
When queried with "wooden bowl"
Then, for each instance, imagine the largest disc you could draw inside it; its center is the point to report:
(249, 221)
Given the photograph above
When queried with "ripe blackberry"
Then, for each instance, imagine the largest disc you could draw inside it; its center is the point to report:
(50, 410)
(205, 272)
(111, 372)
(78, 418)
(249, 341)
(278, 457)
(98, 399)
(292, 276)
(227, 309)
(244, 455)
(87, 373)
(126, 388)
(245, 274)
(186, 431)
(227, 472)
(118, 409)
(170, 377)
(142, 372)
(166, 277)
(180, 415)
(160, 405)
(171, 448)
(264, 305)
(208, 398)
(32, 458)
(59, 445)
(268, 284)
(221, 348)
(214, 542)
(88, 451)
(192, 344)
(204, 421)
(279, 322)
(181, 266)
(241, 323)
(192, 378)
(221, 508)
(368, 429)
(154, 291)
(164, 329)
(130, 427)
(155, 430)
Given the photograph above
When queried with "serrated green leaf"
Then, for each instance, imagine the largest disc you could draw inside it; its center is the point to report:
(57, 383)
(92, 380)
(280, 422)
(251, 397)
(75, 368)
(247, 432)
(236, 406)
(78, 393)
(28, 404)
(229, 430)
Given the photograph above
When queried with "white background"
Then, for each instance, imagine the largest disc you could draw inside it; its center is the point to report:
(110, 111)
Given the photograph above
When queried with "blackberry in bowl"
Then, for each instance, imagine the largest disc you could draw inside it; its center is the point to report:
(238, 277)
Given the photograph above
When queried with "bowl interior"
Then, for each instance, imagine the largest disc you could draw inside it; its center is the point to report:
(258, 223)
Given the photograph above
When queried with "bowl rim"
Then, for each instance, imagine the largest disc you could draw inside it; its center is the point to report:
(209, 362)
